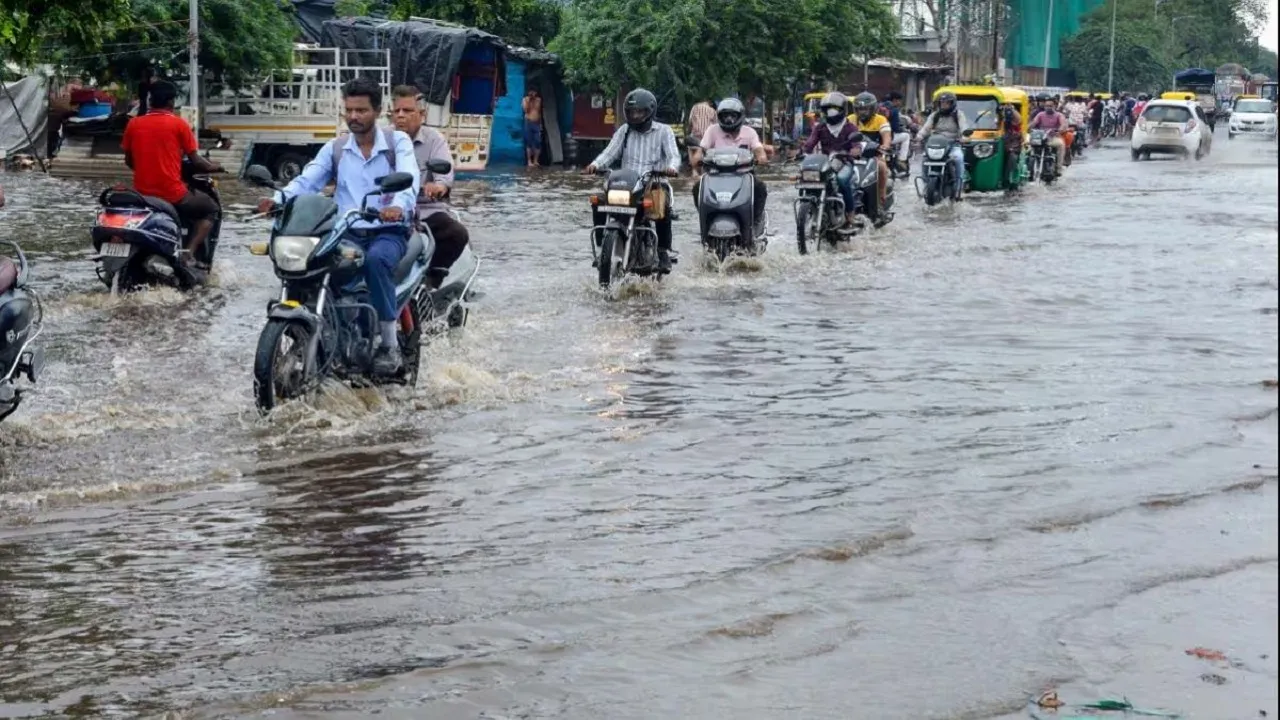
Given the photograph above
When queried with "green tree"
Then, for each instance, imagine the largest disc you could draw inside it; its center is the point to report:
(241, 41)
(522, 22)
(700, 48)
(24, 24)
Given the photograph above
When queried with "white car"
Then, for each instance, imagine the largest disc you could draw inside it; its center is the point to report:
(1172, 127)
(1252, 117)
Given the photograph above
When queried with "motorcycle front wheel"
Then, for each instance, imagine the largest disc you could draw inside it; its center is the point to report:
(609, 270)
(280, 364)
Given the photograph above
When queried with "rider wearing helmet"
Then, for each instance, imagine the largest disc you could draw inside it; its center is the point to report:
(730, 132)
(901, 133)
(1040, 101)
(877, 129)
(644, 145)
(949, 122)
(835, 135)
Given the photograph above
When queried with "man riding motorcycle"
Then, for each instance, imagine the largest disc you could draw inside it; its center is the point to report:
(154, 146)
(1012, 143)
(901, 131)
(876, 128)
(835, 135)
(729, 132)
(366, 155)
(644, 145)
(433, 206)
(1054, 123)
(949, 122)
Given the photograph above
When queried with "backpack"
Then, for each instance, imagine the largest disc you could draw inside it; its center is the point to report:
(340, 144)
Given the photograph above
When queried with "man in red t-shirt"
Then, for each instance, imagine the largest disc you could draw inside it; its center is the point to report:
(154, 146)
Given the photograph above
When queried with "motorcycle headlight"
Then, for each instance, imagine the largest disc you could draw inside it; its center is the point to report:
(935, 153)
(984, 150)
(291, 252)
(619, 197)
(811, 176)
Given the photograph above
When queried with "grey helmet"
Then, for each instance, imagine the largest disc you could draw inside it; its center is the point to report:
(834, 107)
(730, 113)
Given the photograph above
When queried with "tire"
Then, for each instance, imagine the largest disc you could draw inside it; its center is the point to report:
(1231, 135)
(288, 165)
(266, 390)
(458, 316)
(411, 348)
(1200, 153)
(933, 190)
(606, 267)
(1134, 155)
(802, 224)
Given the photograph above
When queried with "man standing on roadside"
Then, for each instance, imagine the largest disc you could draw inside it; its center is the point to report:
(532, 106)
(701, 116)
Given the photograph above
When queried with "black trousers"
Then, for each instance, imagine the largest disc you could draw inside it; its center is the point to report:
(761, 195)
(451, 239)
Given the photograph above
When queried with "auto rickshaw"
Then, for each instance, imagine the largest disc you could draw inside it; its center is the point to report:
(984, 152)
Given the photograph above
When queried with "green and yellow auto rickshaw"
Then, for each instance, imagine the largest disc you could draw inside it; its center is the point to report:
(985, 163)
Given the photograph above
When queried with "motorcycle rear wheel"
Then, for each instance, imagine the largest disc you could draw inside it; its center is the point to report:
(271, 386)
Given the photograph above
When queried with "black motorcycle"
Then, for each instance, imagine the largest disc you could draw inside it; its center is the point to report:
(1042, 162)
(726, 205)
(139, 240)
(21, 322)
(1079, 141)
(866, 176)
(626, 243)
(937, 180)
(819, 206)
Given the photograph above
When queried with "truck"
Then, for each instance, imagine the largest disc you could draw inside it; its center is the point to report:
(284, 122)
(1202, 83)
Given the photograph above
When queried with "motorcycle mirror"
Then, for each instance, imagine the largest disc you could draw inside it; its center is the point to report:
(440, 167)
(968, 132)
(259, 175)
(395, 182)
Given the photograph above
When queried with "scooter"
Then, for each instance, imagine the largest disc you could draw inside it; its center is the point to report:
(21, 322)
(726, 205)
(139, 239)
(866, 174)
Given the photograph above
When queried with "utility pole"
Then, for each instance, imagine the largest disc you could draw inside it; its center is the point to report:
(1048, 36)
(995, 38)
(193, 47)
(1111, 64)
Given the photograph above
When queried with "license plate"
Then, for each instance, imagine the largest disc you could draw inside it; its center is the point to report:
(1166, 131)
(810, 186)
(618, 209)
(116, 250)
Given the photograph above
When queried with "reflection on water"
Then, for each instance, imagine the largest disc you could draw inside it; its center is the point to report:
(967, 457)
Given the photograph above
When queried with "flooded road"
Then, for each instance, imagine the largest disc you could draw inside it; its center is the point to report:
(996, 448)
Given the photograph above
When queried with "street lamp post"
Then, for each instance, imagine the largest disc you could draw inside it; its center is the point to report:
(1048, 36)
(1111, 63)
(193, 47)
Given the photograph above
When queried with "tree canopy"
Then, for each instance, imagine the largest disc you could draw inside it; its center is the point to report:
(703, 48)
(1153, 43)
(523, 22)
(25, 24)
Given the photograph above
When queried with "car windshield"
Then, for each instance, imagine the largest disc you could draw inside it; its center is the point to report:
(1253, 106)
(1167, 113)
(980, 112)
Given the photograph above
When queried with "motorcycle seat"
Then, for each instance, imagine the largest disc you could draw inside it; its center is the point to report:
(8, 274)
(414, 249)
(132, 198)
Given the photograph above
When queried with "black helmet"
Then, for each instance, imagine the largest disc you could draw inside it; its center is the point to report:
(1143, 97)
(639, 109)
(834, 107)
(730, 113)
(864, 104)
(946, 97)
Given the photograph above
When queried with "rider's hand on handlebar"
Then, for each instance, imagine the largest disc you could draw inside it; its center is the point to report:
(266, 205)
(216, 168)
(434, 191)
(391, 214)
(589, 170)
(670, 173)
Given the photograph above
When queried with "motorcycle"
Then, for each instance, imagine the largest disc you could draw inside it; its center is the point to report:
(938, 179)
(21, 322)
(726, 205)
(819, 207)
(866, 174)
(139, 240)
(1080, 141)
(323, 325)
(1042, 161)
(626, 243)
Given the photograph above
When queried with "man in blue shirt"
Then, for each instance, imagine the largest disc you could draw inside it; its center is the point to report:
(364, 156)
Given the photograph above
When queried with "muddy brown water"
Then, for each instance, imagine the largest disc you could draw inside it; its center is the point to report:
(1014, 444)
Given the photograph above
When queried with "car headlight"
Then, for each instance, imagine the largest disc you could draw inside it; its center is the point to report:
(984, 150)
(619, 197)
(935, 153)
(811, 176)
(291, 252)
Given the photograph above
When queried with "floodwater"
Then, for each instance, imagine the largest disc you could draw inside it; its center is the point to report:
(1014, 445)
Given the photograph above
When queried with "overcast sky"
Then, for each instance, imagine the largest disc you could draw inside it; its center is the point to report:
(1268, 38)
